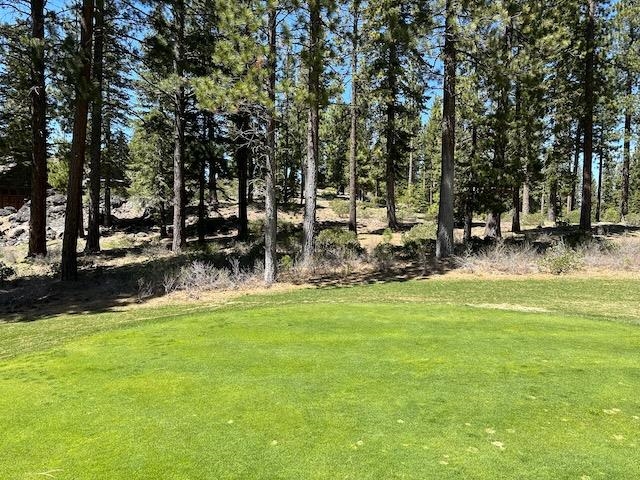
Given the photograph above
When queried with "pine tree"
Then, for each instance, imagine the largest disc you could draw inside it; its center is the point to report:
(314, 72)
(38, 217)
(587, 122)
(271, 203)
(353, 130)
(93, 231)
(444, 239)
(73, 213)
(394, 49)
(627, 39)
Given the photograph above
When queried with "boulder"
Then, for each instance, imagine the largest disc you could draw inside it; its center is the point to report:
(23, 215)
(57, 199)
(17, 232)
(56, 210)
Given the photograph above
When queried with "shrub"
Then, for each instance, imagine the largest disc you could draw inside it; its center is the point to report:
(340, 207)
(383, 255)
(378, 201)
(419, 241)
(419, 237)
(256, 228)
(431, 213)
(533, 219)
(572, 217)
(632, 219)
(407, 214)
(364, 210)
(415, 199)
(337, 244)
(387, 235)
(610, 215)
(6, 271)
(286, 263)
(561, 259)
(58, 174)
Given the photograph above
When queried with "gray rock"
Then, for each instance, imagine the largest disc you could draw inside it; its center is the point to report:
(116, 201)
(8, 210)
(17, 232)
(56, 210)
(57, 199)
(23, 214)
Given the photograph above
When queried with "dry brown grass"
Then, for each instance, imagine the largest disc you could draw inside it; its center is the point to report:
(621, 254)
(501, 259)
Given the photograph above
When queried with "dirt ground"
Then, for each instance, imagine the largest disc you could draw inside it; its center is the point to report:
(114, 278)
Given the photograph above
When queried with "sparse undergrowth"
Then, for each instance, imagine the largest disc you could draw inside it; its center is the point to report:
(556, 257)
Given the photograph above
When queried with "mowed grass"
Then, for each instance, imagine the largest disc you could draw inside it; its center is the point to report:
(430, 379)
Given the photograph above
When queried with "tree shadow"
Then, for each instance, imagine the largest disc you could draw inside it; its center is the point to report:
(104, 288)
(402, 272)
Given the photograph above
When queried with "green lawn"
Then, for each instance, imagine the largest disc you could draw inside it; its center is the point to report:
(418, 380)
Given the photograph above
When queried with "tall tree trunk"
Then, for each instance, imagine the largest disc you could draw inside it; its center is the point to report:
(314, 68)
(585, 207)
(250, 168)
(492, 228)
(69, 264)
(107, 197)
(626, 157)
(179, 239)
(600, 166)
(107, 175)
(202, 184)
(212, 181)
(212, 164)
(93, 232)
(410, 172)
(444, 240)
(574, 176)
(468, 221)
(163, 220)
(515, 220)
(392, 150)
(552, 213)
(353, 136)
(303, 167)
(242, 156)
(80, 216)
(526, 198)
(38, 213)
(270, 200)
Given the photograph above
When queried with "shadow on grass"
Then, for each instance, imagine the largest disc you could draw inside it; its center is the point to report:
(103, 288)
(397, 273)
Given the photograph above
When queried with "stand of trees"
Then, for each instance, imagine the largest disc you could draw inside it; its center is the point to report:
(465, 107)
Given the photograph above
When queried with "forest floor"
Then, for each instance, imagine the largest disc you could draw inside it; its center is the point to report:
(136, 265)
(437, 378)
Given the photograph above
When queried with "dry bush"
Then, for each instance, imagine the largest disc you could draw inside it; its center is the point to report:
(621, 254)
(296, 271)
(199, 275)
(501, 258)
